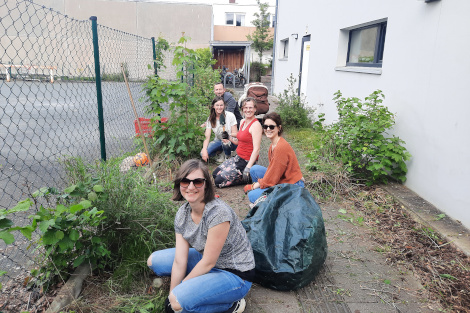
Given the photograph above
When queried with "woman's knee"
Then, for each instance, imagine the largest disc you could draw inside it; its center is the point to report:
(174, 303)
(149, 260)
(218, 181)
(161, 261)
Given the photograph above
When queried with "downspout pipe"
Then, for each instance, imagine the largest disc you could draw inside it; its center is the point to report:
(274, 48)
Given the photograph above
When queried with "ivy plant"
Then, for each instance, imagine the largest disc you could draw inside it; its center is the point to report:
(362, 141)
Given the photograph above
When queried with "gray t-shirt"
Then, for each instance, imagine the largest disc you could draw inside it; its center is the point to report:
(236, 253)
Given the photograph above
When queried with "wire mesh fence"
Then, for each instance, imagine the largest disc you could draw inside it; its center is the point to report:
(48, 98)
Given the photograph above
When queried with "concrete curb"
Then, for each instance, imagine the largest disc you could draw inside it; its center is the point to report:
(427, 214)
(70, 291)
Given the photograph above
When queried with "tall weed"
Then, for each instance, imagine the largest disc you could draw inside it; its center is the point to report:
(139, 216)
(293, 108)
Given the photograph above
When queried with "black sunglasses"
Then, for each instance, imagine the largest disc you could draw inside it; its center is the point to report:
(198, 182)
(271, 127)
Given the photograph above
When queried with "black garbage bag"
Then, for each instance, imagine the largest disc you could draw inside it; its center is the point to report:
(287, 234)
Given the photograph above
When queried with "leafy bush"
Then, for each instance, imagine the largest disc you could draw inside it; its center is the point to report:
(293, 108)
(7, 226)
(69, 232)
(139, 217)
(257, 69)
(204, 79)
(187, 98)
(204, 58)
(362, 142)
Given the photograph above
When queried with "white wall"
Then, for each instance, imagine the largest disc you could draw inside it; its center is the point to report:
(425, 76)
(249, 8)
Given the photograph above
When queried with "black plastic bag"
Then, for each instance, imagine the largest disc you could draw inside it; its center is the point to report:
(287, 234)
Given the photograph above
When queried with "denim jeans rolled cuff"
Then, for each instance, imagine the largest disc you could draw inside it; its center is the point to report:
(256, 193)
(215, 291)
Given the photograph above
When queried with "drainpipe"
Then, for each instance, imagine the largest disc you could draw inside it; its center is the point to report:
(274, 47)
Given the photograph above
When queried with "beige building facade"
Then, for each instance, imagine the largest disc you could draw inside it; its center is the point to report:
(146, 19)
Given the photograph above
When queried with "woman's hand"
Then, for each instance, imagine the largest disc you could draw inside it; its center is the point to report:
(204, 155)
(246, 175)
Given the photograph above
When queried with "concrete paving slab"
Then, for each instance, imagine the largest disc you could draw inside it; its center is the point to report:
(263, 300)
(362, 275)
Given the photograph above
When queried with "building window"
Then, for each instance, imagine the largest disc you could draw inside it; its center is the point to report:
(284, 48)
(235, 19)
(366, 45)
(273, 20)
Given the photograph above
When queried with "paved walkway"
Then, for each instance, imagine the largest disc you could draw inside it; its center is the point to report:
(355, 277)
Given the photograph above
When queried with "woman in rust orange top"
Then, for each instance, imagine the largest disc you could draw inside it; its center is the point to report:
(236, 170)
(283, 165)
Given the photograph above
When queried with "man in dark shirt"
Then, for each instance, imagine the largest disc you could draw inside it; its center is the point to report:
(230, 103)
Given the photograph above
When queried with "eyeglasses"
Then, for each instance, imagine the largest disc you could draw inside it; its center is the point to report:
(197, 182)
(271, 127)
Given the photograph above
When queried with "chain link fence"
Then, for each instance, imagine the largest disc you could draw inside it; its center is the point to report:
(48, 99)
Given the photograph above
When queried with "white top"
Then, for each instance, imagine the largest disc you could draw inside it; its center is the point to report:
(230, 120)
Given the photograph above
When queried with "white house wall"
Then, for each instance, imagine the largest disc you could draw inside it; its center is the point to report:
(425, 78)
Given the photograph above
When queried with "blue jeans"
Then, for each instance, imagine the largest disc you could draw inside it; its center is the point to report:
(215, 291)
(257, 172)
(216, 145)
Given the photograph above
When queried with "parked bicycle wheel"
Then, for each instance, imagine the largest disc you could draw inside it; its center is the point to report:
(240, 82)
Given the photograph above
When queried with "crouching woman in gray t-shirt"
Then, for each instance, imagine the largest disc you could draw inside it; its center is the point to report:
(212, 264)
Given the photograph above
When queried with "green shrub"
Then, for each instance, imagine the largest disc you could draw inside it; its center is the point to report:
(69, 232)
(139, 217)
(257, 69)
(362, 142)
(182, 136)
(293, 108)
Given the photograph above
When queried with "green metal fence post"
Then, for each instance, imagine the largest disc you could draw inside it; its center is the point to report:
(99, 95)
(154, 56)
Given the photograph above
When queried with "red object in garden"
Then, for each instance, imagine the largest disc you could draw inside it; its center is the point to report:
(146, 126)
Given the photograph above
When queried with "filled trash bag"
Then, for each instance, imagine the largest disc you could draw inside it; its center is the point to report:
(287, 234)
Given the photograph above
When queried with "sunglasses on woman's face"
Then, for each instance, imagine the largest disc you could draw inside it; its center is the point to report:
(271, 127)
(197, 182)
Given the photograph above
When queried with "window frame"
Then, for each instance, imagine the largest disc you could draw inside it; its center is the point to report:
(234, 21)
(379, 45)
(284, 49)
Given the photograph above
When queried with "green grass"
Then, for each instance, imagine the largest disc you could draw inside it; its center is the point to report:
(139, 216)
(326, 178)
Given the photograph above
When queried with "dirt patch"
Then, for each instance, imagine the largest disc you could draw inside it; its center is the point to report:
(442, 269)
(16, 296)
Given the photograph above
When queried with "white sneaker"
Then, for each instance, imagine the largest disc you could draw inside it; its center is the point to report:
(220, 158)
(239, 306)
